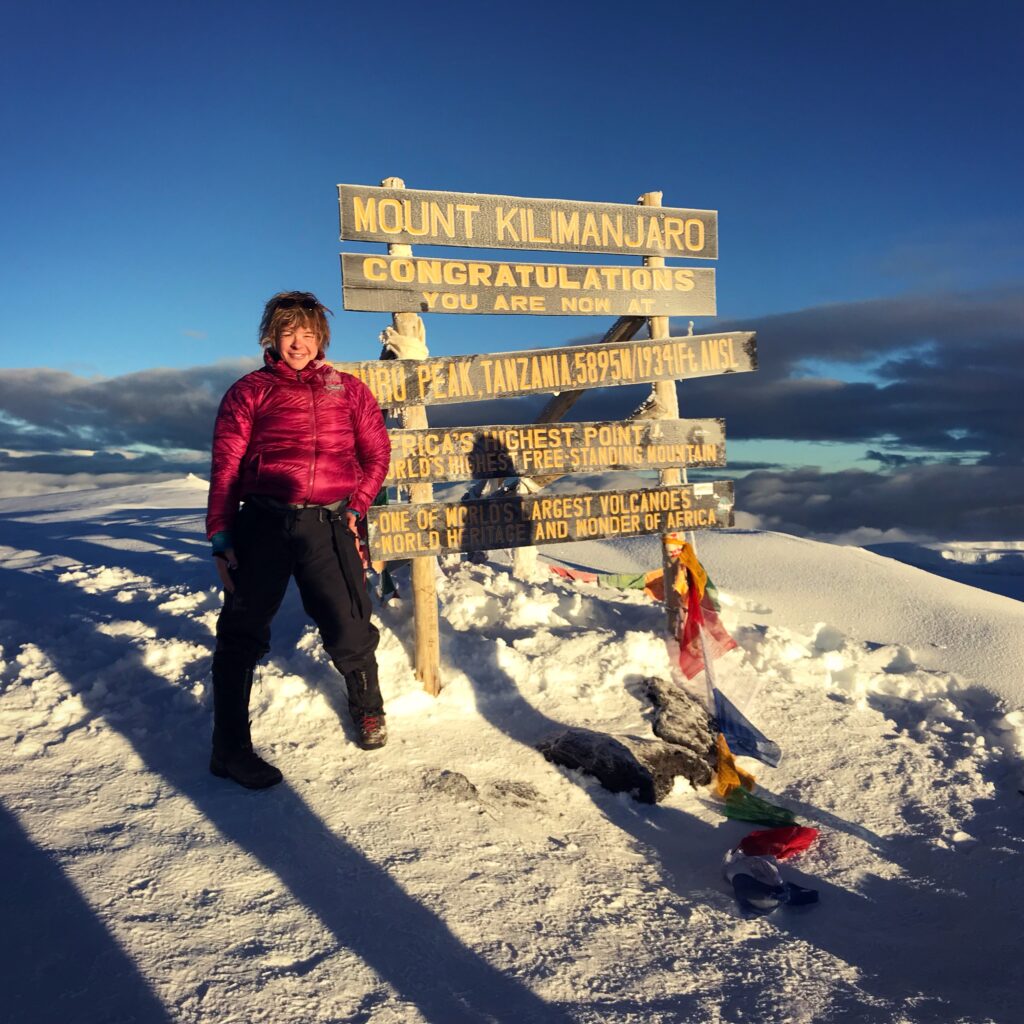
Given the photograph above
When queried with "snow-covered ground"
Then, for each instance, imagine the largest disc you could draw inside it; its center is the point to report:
(372, 887)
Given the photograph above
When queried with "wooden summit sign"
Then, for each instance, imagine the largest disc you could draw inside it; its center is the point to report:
(446, 379)
(405, 285)
(411, 284)
(417, 217)
(397, 531)
(439, 455)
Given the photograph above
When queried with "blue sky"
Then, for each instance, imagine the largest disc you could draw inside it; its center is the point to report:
(184, 159)
(169, 169)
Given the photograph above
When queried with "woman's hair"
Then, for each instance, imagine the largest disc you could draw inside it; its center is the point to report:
(294, 309)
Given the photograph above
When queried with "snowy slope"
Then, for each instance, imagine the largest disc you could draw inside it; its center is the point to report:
(804, 584)
(373, 887)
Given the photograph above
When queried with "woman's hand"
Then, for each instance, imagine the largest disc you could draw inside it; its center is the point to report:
(225, 563)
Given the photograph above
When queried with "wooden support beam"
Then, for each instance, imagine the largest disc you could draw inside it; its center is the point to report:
(624, 329)
(424, 570)
(667, 401)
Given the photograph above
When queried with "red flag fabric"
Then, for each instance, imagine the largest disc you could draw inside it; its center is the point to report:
(701, 613)
(579, 575)
(780, 843)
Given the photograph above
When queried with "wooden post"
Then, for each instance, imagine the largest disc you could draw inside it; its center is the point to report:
(424, 570)
(667, 401)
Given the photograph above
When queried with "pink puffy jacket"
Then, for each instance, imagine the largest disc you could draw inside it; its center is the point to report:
(312, 437)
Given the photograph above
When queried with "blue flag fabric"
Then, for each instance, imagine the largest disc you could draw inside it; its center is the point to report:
(742, 737)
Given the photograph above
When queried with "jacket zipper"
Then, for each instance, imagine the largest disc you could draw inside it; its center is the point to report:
(312, 458)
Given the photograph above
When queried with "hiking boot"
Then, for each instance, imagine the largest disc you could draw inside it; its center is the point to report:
(245, 767)
(373, 732)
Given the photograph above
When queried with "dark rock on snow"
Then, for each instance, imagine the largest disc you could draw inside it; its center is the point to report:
(681, 719)
(645, 767)
(627, 764)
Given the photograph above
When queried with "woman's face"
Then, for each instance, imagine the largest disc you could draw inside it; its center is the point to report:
(297, 346)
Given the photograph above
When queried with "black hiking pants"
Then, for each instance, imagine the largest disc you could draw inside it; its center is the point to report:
(315, 546)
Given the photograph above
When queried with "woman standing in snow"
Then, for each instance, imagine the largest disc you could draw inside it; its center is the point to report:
(304, 448)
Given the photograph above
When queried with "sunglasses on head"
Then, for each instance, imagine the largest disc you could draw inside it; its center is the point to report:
(301, 302)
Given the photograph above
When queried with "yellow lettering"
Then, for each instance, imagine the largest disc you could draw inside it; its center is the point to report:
(479, 274)
(611, 231)
(532, 233)
(393, 207)
(428, 272)
(424, 223)
(375, 268)
(468, 212)
(663, 278)
(684, 280)
(637, 240)
(674, 228)
(503, 277)
(728, 353)
(525, 272)
(567, 227)
(442, 221)
(547, 276)
(591, 235)
(454, 272)
(365, 213)
(402, 271)
(565, 281)
(503, 221)
(695, 235)
(613, 276)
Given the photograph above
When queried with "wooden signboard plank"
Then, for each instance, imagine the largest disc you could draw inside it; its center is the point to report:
(372, 214)
(417, 284)
(445, 455)
(446, 379)
(626, 328)
(397, 531)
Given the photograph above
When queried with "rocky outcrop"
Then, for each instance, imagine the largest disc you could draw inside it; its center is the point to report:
(647, 768)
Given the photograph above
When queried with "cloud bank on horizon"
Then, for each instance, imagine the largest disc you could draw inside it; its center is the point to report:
(927, 385)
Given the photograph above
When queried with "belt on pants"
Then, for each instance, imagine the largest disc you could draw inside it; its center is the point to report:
(324, 512)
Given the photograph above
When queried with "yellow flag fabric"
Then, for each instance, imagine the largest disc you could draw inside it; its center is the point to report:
(729, 775)
(691, 568)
